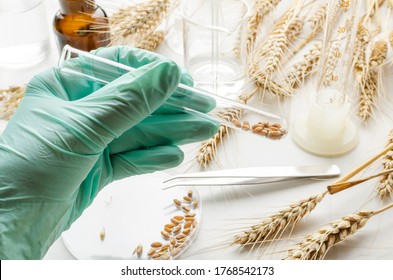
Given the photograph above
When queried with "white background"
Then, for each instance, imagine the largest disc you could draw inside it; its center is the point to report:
(228, 210)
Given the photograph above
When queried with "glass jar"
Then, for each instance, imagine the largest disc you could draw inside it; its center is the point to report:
(81, 24)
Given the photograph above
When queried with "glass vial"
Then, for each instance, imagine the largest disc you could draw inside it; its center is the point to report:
(81, 24)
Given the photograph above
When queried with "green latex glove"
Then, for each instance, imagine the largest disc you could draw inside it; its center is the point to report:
(71, 137)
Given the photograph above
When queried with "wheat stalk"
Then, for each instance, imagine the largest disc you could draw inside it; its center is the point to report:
(137, 21)
(261, 8)
(370, 90)
(11, 98)
(315, 246)
(272, 227)
(385, 186)
(152, 41)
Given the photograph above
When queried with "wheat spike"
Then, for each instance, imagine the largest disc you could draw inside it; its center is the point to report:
(137, 21)
(363, 37)
(261, 8)
(264, 83)
(275, 45)
(11, 98)
(152, 41)
(315, 246)
(370, 89)
(317, 24)
(208, 150)
(319, 18)
(305, 67)
(294, 29)
(385, 186)
(272, 227)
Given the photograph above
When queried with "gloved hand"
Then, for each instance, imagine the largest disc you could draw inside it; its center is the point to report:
(71, 137)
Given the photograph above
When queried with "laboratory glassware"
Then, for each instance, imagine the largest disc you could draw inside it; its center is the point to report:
(327, 129)
(228, 112)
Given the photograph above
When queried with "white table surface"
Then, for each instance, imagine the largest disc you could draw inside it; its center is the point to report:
(227, 210)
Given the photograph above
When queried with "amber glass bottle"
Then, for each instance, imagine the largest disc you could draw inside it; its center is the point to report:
(81, 24)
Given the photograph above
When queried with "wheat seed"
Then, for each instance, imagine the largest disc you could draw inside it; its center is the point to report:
(156, 244)
(274, 226)
(138, 250)
(102, 234)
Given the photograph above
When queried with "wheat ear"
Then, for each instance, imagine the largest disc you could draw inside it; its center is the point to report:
(275, 45)
(317, 23)
(363, 37)
(208, 150)
(385, 186)
(11, 98)
(370, 90)
(315, 246)
(137, 21)
(273, 227)
(264, 83)
(152, 41)
(303, 68)
(261, 8)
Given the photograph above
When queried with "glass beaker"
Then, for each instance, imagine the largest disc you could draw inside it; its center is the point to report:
(327, 129)
(233, 114)
(214, 51)
(24, 32)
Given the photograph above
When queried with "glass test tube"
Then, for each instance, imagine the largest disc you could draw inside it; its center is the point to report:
(227, 112)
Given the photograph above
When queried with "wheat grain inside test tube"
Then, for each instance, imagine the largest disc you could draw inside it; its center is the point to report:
(228, 112)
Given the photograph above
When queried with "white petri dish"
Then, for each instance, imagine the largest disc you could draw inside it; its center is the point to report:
(129, 213)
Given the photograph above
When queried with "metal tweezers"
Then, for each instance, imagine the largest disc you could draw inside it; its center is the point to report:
(252, 176)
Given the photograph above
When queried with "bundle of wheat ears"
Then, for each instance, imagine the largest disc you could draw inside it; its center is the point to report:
(279, 62)
(316, 245)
